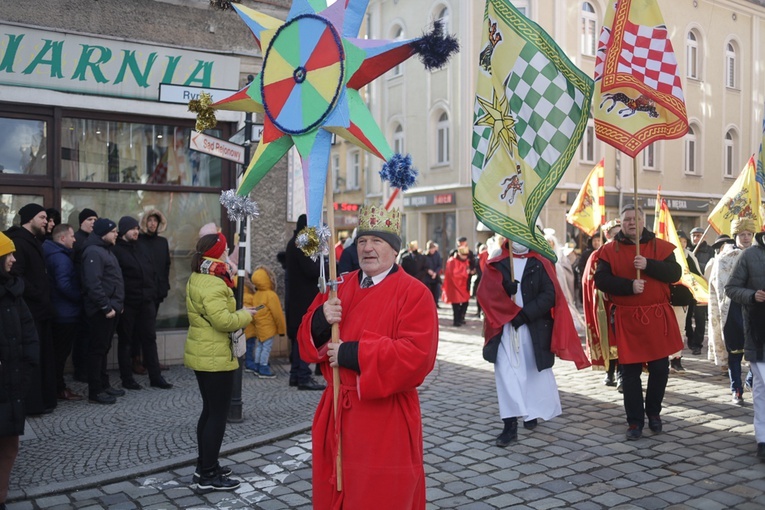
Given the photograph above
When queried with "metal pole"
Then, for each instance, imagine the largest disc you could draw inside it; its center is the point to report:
(235, 408)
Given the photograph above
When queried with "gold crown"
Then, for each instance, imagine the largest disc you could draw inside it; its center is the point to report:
(376, 218)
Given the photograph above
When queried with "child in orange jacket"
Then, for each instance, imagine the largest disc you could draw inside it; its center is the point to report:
(268, 322)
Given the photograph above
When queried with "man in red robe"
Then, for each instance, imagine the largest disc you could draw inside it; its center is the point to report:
(645, 327)
(389, 336)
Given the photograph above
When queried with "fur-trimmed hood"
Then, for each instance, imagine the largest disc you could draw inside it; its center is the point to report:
(162, 221)
(264, 279)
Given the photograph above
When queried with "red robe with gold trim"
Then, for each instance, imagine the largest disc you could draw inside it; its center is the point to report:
(644, 324)
(396, 325)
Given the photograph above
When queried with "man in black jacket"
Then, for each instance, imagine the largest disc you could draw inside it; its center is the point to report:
(30, 267)
(86, 219)
(138, 320)
(301, 277)
(104, 296)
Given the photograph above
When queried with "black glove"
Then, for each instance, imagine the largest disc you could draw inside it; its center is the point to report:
(510, 287)
(519, 320)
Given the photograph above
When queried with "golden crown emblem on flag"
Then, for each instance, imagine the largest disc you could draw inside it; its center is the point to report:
(376, 218)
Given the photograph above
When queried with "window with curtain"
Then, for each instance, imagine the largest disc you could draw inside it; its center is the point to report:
(691, 150)
(692, 55)
(589, 35)
(729, 153)
(730, 66)
(442, 139)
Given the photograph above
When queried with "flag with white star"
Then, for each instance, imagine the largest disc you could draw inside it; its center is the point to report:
(530, 114)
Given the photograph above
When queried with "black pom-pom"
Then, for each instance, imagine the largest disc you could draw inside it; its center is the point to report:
(435, 49)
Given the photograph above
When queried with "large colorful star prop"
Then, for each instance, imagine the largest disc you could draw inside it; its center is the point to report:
(308, 89)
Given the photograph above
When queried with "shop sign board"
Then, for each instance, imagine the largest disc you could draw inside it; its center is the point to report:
(182, 94)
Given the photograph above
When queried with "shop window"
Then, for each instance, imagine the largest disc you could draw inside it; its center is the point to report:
(10, 205)
(185, 213)
(23, 146)
(129, 153)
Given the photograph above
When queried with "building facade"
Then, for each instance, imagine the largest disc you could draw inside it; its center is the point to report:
(720, 47)
(93, 113)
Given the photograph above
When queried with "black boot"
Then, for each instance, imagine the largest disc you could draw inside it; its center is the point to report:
(509, 434)
(212, 480)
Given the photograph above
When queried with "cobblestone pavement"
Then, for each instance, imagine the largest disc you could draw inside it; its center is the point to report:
(140, 453)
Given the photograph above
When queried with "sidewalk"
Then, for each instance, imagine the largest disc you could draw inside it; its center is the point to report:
(140, 452)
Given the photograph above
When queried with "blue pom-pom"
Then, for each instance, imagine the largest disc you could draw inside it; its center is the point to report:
(399, 172)
(435, 49)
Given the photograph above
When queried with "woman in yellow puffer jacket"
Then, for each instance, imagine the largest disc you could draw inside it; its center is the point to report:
(269, 321)
(212, 315)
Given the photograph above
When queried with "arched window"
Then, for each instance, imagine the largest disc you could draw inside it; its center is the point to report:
(649, 157)
(443, 16)
(730, 66)
(397, 35)
(587, 147)
(442, 139)
(692, 55)
(589, 35)
(398, 139)
(729, 153)
(691, 150)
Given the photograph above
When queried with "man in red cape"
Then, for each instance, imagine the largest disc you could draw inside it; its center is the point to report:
(389, 336)
(645, 327)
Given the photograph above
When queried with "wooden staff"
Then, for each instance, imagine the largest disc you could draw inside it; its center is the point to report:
(335, 327)
(637, 220)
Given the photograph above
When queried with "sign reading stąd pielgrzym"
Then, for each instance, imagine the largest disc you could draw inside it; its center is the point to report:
(81, 64)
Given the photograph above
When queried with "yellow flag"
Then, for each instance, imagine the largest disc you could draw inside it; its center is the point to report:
(666, 230)
(588, 212)
(638, 94)
(742, 200)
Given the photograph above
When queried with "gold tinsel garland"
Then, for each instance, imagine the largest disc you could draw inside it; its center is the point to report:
(205, 112)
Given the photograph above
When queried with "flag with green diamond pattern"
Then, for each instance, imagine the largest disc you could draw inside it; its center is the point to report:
(530, 114)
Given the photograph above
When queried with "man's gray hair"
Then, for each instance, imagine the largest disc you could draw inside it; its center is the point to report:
(631, 207)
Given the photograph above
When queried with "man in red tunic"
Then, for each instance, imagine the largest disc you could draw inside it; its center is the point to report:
(645, 327)
(389, 336)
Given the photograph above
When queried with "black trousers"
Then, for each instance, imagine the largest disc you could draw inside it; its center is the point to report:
(658, 373)
(459, 310)
(80, 349)
(42, 384)
(138, 325)
(696, 314)
(99, 343)
(64, 334)
(299, 369)
(215, 388)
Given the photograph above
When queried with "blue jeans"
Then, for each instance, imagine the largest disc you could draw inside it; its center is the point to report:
(263, 351)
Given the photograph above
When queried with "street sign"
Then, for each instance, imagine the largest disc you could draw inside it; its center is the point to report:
(255, 135)
(201, 142)
(182, 94)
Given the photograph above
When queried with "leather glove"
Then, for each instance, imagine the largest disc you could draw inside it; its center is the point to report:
(510, 287)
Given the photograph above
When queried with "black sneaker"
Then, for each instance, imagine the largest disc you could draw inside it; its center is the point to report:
(761, 451)
(102, 398)
(654, 423)
(676, 366)
(216, 482)
(634, 433)
(222, 470)
(131, 385)
(609, 380)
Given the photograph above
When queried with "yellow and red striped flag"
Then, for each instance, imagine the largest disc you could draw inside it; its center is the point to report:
(588, 212)
(664, 228)
(638, 95)
(742, 200)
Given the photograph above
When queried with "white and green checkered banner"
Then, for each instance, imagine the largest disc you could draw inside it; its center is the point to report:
(531, 111)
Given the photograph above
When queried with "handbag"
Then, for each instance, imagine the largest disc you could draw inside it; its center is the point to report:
(238, 343)
(491, 348)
